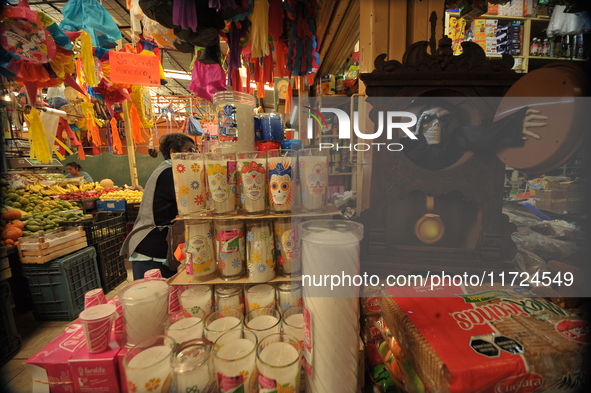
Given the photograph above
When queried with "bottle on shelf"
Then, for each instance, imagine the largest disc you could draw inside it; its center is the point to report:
(534, 49)
(566, 47)
(545, 48)
(558, 46)
(551, 47)
(580, 54)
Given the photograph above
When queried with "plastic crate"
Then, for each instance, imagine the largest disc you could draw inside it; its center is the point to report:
(58, 287)
(111, 265)
(101, 227)
(132, 210)
(10, 341)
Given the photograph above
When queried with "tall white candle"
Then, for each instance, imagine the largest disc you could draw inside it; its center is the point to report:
(294, 326)
(289, 294)
(221, 180)
(189, 181)
(220, 326)
(288, 247)
(331, 246)
(260, 256)
(278, 362)
(313, 180)
(192, 366)
(235, 363)
(230, 248)
(199, 249)
(149, 369)
(145, 308)
(198, 297)
(186, 329)
(282, 181)
(229, 297)
(260, 295)
(264, 325)
(252, 170)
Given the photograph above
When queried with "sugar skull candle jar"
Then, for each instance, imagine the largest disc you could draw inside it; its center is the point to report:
(313, 165)
(200, 256)
(287, 246)
(230, 248)
(189, 182)
(252, 176)
(221, 181)
(282, 174)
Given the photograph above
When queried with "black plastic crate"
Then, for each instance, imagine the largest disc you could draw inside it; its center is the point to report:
(111, 265)
(132, 210)
(58, 287)
(100, 227)
(10, 341)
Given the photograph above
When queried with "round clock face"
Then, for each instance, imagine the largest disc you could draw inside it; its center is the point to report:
(27, 41)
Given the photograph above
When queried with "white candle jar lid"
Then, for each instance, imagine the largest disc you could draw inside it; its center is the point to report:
(330, 232)
(145, 290)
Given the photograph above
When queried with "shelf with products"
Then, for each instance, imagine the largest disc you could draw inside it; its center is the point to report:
(515, 38)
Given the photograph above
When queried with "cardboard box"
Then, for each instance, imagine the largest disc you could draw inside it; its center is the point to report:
(96, 372)
(512, 8)
(122, 379)
(49, 367)
(552, 200)
(493, 9)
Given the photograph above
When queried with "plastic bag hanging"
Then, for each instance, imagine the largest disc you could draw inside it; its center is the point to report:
(259, 29)
(92, 17)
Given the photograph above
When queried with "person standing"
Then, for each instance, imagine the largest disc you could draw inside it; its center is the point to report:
(147, 244)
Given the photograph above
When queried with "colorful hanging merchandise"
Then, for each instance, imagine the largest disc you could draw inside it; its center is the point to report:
(303, 45)
(207, 79)
(92, 17)
(34, 51)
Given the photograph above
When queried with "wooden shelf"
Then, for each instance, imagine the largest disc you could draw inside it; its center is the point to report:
(342, 173)
(554, 58)
(330, 211)
(182, 278)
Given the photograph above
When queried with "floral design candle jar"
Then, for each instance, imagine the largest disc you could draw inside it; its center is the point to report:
(252, 174)
(189, 182)
(260, 252)
(221, 180)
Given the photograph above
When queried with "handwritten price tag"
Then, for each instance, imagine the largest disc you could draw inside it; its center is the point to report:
(134, 69)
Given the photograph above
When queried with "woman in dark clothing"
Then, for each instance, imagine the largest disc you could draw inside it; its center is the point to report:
(147, 244)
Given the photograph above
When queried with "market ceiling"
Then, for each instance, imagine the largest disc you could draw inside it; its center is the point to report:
(171, 58)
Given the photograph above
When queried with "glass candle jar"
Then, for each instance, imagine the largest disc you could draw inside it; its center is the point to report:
(282, 175)
(259, 295)
(260, 252)
(279, 363)
(229, 296)
(200, 256)
(219, 322)
(197, 297)
(313, 165)
(252, 175)
(182, 327)
(234, 360)
(235, 112)
(221, 182)
(192, 367)
(230, 248)
(289, 294)
(147, 365)
(263, 321)
(287, 245)
(189, 182)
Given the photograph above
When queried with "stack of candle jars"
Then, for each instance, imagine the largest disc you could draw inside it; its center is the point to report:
(252, 183)
(225, 337)
(230, 248)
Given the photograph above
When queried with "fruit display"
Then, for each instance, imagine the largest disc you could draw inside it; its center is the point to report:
(57, 189)
(131, 196)
(84, 195)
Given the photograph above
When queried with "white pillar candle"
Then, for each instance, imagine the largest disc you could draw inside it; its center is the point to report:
(252, 171)
(260, 253)
(199, 249)
(313, 179)
(229, 297)
(145, 308)
(264, 325)
(185, 329)
(289, 294)
(220, 326)
(234, 361)
(287, 244)
(332, 246)
(189, 182)
(221, 180)
(282, 175)
(278, 363)
(294, 326)
(230, 248)
(198, 297)
(148, 369)
(260, 295)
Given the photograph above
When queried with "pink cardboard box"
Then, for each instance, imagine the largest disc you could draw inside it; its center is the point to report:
(49, 367)
(96, 372)
(120, 356)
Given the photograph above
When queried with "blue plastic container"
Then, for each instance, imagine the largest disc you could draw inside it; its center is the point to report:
(272, 127)
(58, 287)
(293, 144)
